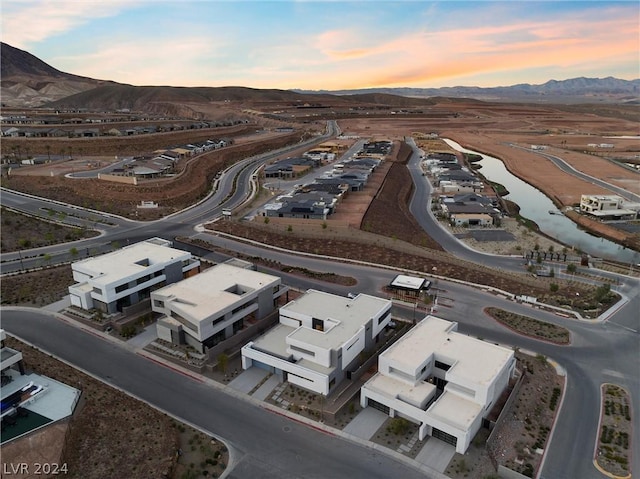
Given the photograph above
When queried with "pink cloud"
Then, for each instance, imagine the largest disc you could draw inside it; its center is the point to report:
(24, 23)
(423, 57)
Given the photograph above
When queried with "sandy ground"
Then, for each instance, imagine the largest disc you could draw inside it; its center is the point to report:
(525, 240)
(490, 127)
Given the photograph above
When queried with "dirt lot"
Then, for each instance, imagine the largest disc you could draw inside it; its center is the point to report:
(525, 431)
(489, 127)
(113, 435)
(27, 232)
(486, 127)
(172, 194)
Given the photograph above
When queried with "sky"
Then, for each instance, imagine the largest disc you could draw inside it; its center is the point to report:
(328, 44)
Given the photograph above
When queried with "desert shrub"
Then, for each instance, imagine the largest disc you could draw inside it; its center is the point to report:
(398, 426)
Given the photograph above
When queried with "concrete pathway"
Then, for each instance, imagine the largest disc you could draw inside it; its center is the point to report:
(436, 454)
(58, 305)
(366, 423)
(145, 337)
(249, 379)
(269, 385)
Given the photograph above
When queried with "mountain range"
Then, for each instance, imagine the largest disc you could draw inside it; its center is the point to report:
(587, 89)
(27, 81)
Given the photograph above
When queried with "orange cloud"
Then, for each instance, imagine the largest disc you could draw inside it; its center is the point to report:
(421, 58)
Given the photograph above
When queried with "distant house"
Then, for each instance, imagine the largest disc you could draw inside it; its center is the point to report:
(12, 132)
(290, 167)
(608, 207)
(114, 132)
(469, 209)
(293, 208)
(338, 190)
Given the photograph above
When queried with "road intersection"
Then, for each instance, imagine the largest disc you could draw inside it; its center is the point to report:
(600, 351)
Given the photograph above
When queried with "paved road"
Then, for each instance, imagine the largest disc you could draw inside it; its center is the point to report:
(123, 231)
(420, 207)
(600, 352)
(263, 444)
(567, 168)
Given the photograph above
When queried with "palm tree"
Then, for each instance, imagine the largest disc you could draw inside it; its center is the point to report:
(48, 148)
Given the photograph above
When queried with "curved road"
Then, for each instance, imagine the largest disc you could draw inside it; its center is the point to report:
(263, 444)
(567, 168)
(600, 351)
(420, 207)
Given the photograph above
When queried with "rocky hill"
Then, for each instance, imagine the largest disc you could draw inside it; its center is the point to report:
(28, 81)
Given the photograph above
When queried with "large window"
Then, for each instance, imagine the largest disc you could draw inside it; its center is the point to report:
(317, 324)
(303, 351)
(382, 319)
(443, 366)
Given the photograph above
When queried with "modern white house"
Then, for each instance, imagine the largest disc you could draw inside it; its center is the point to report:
(612, 207)
(440, 379)
(8, 357)
(214, 305)
(119, 279)
(318, 339)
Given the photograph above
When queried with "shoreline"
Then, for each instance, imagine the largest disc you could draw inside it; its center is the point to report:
(627, 241)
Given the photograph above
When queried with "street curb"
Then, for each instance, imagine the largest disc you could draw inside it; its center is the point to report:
(234, 454)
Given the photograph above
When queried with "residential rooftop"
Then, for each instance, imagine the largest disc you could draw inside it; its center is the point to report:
(217, 288)
(471, 359)
(342, 317)
(455, 410)
(130, 260)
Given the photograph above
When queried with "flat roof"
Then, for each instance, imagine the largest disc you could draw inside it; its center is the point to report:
(274, 341)
(471, 215)
(391, 387)
(211, 291)
(616, 212)
(55, 401)
(128, 261)
(477, 361)
(455, 410)
(344, 316)
(408, 282)
(603, 197)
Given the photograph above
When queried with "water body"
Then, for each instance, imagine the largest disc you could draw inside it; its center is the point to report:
(535, 206)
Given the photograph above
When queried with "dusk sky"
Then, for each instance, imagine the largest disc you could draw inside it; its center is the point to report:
(328, 44)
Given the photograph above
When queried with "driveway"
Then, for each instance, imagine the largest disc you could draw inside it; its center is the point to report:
(366, 423)
(249, 379)
(436, 454)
